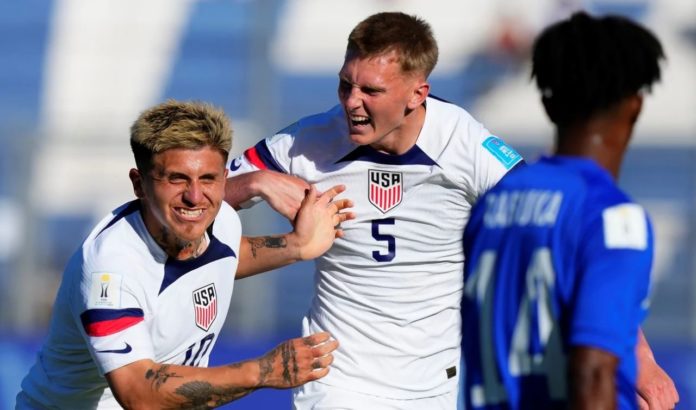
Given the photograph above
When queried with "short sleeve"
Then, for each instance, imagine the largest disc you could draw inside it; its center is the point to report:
(110, 310)
(494, 158)
(614, 274)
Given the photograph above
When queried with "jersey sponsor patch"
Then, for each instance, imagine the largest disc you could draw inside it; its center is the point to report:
(625, 227)
(502, 152)
(385, 189)
(105, 291)
(205, 306)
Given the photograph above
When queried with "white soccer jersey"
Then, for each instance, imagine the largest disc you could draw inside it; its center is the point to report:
(390, 291)
(122, 299)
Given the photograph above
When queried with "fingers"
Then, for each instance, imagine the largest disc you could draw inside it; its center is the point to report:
(310, 194)
(318, 374)
(322, 362)
(325, 348)
(316, 338)
(341, 204)
(321, 343)
(343, 216)
(331, 193)
(642, 404)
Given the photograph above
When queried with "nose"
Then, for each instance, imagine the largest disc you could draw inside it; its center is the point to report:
(351, 97)
(193, 194)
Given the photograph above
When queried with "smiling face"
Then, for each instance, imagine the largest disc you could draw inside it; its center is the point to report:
(383, 106)
(181, 196)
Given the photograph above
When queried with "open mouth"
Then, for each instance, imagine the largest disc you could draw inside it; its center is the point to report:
(189, 213)
(359, 120)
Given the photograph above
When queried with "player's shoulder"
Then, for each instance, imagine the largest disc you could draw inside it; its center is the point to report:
(118, 239)
(317, 138)
(313, 127)
(449, 115)
(581, 179)
(451, 131)
(119, 226)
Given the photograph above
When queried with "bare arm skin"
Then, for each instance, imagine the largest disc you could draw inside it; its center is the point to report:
(592, 379)
(315, 230)
(147, 385)
(284, 193)
(656, 390)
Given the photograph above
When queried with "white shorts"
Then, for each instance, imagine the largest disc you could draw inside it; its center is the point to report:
(320, 396)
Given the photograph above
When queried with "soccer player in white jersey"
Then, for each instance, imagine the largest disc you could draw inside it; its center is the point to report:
(390, 289)
(413, 165)
(144, 299)
(558, 257)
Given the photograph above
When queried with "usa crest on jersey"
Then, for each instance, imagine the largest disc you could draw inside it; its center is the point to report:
(205, 306)
(385, 189)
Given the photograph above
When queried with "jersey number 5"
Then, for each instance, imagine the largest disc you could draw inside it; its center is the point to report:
(390, 239)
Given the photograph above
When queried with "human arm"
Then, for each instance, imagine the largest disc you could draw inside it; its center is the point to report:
(591, 379)
(656, 390)
(282, 192)
(315, 230)
(145, 384)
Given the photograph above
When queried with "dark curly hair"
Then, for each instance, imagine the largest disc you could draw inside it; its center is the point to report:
(586, 64)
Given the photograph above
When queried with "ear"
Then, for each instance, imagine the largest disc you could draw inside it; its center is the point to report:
(634, 106)
(420, 93)
(137, 181)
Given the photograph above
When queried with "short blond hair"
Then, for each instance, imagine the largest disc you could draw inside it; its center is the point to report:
(409, 36)
(179, 124)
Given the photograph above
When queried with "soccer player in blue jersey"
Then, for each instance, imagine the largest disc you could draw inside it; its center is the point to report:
(558, 257)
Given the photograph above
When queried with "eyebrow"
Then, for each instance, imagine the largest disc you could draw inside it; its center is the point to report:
(362, 87)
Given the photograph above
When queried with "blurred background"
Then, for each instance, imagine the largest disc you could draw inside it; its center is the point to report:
(74, 74)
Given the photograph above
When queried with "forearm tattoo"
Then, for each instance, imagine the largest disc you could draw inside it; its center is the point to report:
(159, 376)
(196, 394)
(203, 395)
(266, 242)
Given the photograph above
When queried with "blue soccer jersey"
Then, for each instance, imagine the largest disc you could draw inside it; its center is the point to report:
(557, 256)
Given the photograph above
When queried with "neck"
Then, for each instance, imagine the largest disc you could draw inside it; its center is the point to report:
(181, 250)
(403, 138)
(604, 136)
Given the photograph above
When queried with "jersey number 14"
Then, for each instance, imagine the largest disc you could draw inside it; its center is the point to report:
(536, 347)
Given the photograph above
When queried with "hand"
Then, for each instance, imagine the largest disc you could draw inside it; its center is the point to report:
(297, 361)
(316, 225)
(284, 193)
(656, 390)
